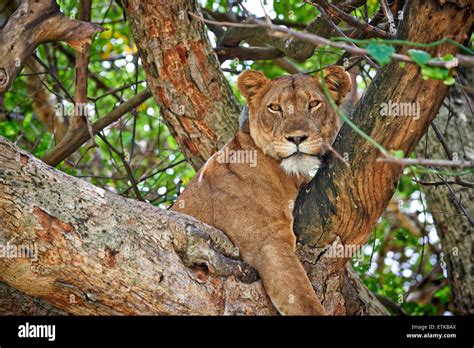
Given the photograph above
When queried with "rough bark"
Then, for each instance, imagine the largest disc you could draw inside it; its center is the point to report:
(344, 296)
(93, 252)
(33, 23)
(350, 200)
(184, 76)
(449, 204)
(14, 302)
(99, 253)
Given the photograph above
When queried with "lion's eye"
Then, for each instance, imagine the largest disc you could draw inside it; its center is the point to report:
(274, 107)
(314, 104)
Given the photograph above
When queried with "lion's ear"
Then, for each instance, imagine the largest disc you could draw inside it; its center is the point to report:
(249, 82)
(338, 82)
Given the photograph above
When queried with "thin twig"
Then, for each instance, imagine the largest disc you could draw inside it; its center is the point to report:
(336, 12)
(441, 183)
(67, 146)
(126, 165)
(340, 32)
(317, 40)
(55, 77)
(388, 13)
(426, 162)
(448, 152)
(337, 154)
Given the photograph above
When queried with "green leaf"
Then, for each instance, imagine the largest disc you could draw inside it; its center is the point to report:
(448, 57)
(402, 64)
(436, 73)
(397, 153)
(419, 57)
(449, 81)
(381, 53)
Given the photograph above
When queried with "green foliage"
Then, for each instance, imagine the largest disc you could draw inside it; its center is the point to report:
(422, 58)
(419, 57)
(437, 73)
(381, 53)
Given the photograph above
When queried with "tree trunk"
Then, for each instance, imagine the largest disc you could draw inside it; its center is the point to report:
(184, 75)
(349, 200)
(343, 203)
(452, 206)
(14, 302)
(87, 251)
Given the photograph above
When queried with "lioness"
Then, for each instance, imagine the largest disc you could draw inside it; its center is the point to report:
(289, 121)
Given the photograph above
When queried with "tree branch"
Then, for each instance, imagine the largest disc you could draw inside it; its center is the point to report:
(350, 200)
(33, 23)
(247, 53)
(73, 140)
(336, 12)
(87, 251)
(292, 47)
(82, 61)
(316, 40)
(451, 207)
(427, 162)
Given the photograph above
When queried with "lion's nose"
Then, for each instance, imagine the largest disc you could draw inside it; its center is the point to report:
(297, 139)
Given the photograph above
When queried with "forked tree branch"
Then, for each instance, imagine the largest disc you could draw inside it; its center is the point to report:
(278, 31)
(336, 12)
(33, 23)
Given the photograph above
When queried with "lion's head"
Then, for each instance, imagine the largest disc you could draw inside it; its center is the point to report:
(290, 118)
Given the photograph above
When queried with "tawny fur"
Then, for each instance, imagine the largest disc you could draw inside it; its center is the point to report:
(253, 204)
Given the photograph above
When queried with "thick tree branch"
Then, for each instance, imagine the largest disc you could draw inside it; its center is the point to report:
(85, 251)
(33, 23)
(73, 221)
(14, 302)
(247, 53)
(41, 97)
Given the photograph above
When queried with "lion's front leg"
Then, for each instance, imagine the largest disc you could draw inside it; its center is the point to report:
(285, 280)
